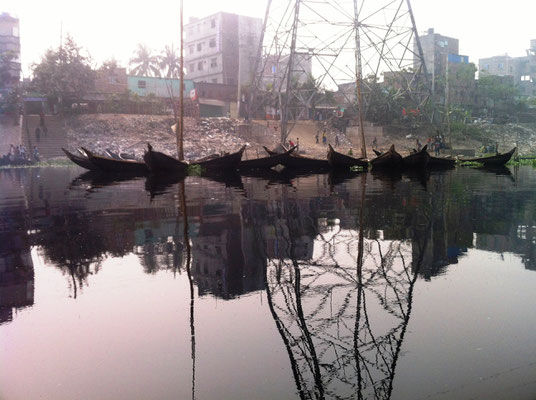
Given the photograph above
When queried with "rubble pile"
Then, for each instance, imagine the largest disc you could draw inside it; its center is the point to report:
(131, 133)
(509, 135)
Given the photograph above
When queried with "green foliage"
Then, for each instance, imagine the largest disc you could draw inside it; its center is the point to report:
(10, 95)
(169, 62)
(65, 71)
(144, 63)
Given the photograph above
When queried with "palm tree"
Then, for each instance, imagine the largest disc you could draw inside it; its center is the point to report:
(144, 63)
(170, 62)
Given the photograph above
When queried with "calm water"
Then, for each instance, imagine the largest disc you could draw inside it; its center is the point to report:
(280, 287)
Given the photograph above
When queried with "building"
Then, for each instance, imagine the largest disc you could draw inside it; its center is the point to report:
(163, 88)
(498, 65)
(521, 69)
(222, 48)
(436, 50)
(275, 67)
(10, 49)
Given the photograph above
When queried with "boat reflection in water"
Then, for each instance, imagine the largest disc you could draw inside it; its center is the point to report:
(335, 258)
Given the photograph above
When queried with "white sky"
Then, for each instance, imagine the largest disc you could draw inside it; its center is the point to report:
(114, 27)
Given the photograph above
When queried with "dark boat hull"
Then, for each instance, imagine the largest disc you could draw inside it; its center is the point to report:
(493, 161)
(160, 163)
(222, 164)
(388, 160)
(419, 159)
(441, 162)
(117, 166)
(339, 160)
(265, 162)
(83, 162)
(305, 163)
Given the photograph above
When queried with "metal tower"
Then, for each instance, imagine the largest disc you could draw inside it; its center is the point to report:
(323, 44)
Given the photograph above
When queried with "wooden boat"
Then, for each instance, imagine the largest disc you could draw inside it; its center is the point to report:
(265, 162)
(160, 163)
(270, 152)
(81, 161)
(389, 159)
(221, 164)
(339, 160)
(499, 159)
(300, 162)
(418, 159)
(441, 162)
(117, 166)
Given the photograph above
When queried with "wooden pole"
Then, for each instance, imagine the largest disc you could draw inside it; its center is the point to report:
(359, 78)
(180, 122)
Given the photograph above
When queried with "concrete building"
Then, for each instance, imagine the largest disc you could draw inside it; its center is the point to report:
(222, 48)
(275, 70)
(521, 69)
(498, 65)
(436, 49)
(10, 47)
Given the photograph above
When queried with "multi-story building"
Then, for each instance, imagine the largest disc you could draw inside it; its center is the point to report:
(497, 65)
(436, 50)
(222, 48)
(521, 69)
(10, 49)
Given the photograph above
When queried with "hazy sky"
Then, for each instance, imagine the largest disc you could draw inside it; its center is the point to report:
(114, 27)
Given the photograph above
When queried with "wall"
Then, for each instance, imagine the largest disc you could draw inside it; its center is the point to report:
(158, 86)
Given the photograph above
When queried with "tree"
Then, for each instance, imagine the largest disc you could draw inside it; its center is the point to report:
(64, 72)
(144, 63)
(170, 62)
(9, 85)
(109, 65)
(498, 94)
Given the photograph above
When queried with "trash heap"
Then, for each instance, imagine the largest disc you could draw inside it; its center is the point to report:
(131, 133)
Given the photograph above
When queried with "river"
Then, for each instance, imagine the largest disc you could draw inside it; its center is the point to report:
(327, 286)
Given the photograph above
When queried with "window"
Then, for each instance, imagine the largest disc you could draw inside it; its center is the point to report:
(198, 27)
(142, 84)
(191, 68)
(525, 78)
(212, 42)
(213, 62)
(213, 23)
(199, 46)
(215, 80)
(200, 66)
(191, 49)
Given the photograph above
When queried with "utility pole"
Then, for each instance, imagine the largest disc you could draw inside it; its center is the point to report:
(359, 78)
(180, 122)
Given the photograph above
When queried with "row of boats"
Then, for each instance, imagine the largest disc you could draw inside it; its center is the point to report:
(158, 163)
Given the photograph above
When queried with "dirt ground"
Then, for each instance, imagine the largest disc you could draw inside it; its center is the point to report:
(131, 133)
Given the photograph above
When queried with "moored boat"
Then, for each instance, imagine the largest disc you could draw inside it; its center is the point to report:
(265, 162)
(389, 159)
(441, 162)
(159, 163)
(418, 159)
(499, 159)
(117, 166)
(221, 164)
(81, 161)
(300, 162)
(339, 160)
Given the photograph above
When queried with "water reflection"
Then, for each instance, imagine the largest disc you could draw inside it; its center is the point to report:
(338, 256)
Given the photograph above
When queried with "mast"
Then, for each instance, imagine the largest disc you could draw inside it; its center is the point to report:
(359, 77)
(180, 126)
(284, 109)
